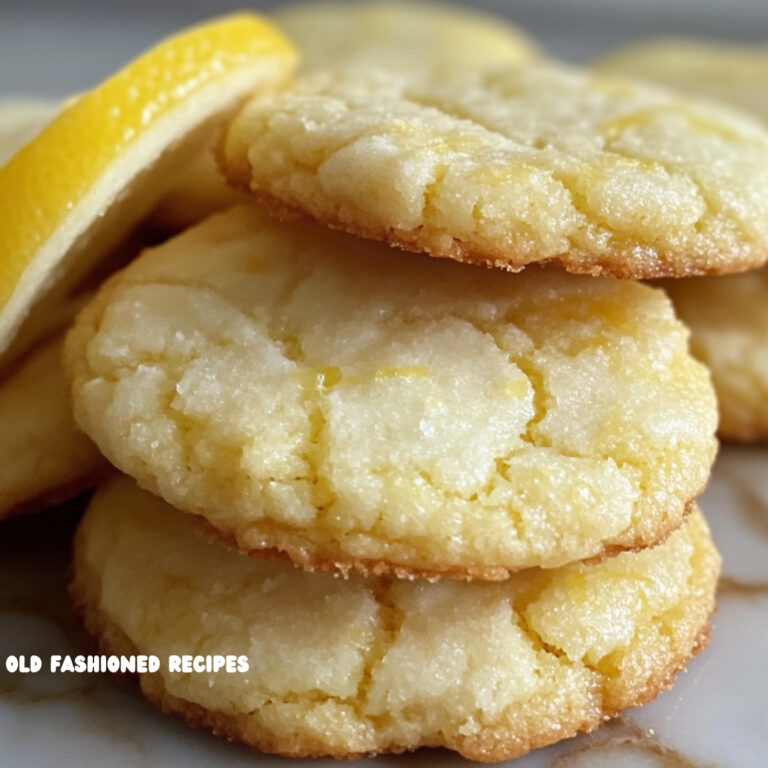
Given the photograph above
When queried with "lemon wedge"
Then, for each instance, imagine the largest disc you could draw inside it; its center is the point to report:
(83, 183)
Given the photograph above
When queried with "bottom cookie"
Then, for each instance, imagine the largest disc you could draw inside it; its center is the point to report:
(364, 666)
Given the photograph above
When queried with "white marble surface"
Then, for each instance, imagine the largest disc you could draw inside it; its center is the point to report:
(716, 715)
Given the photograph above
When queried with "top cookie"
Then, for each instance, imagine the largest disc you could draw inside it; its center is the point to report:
(734, 74)
(355, 408)
(404, 36)
(537, 163)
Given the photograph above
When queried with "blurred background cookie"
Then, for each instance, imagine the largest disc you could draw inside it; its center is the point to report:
(44, 457)
(346, 667)
(328, 399)
(728, 318)
(734, 73)
(401, 36)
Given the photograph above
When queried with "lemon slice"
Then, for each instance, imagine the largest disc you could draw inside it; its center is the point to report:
(71, 194)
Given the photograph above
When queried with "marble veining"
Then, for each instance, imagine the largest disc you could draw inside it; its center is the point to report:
(716, 716)
(729, 587)
(618, 739)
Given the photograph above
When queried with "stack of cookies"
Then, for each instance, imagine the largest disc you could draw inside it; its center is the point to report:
(454, 440)
(435, 502)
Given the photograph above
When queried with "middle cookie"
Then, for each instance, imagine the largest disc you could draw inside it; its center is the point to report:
(330, 400)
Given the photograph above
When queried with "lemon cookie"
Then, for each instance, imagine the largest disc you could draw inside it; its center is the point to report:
(394, 35)
(732, 73)
(728, 316)
(351, 667)
(44, 457)
(352, 407)
(407, 36)
(535, 163)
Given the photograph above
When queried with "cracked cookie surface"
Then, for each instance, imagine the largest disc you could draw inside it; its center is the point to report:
(408, 36)
(511, 166)
(353, 407)
(395, 35)
(346, 667)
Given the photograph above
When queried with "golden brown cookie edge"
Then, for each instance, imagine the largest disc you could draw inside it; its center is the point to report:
(330, 558)
(620, 265)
